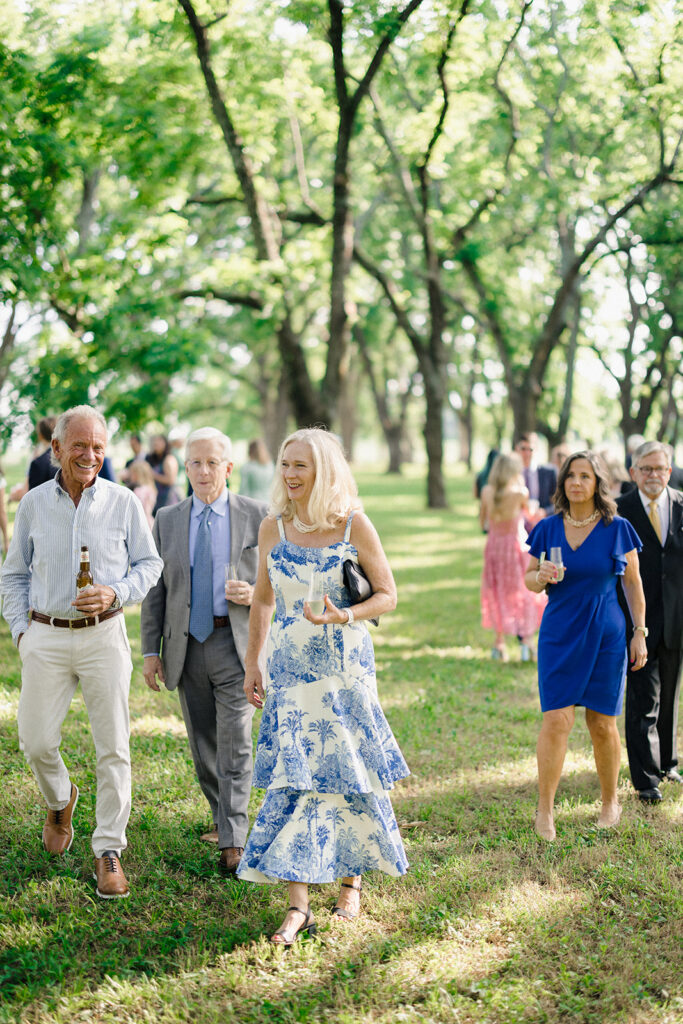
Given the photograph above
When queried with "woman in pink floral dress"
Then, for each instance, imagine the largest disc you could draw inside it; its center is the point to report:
(507, 606)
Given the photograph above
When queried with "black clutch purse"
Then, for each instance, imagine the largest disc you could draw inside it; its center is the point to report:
(357, 584)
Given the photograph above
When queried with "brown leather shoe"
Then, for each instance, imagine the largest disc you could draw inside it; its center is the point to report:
(111, 881)
(230, 858)
(210, 837)
(58, 835)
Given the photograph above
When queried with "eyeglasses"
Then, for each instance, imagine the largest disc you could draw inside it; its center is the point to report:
(524, 448)
(651, 470)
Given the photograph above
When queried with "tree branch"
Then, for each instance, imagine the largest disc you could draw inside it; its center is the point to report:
(264, 240)
(233, 298)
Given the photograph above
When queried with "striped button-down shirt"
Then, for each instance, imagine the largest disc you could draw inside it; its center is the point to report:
(40, 570)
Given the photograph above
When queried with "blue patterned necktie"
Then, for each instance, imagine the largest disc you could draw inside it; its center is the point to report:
(201, 608)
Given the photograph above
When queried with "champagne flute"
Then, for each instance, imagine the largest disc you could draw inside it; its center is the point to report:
(230, 577)
(556, 559)
(316, 593)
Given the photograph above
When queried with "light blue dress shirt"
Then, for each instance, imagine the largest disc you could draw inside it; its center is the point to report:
(44, 556)
(219, 525)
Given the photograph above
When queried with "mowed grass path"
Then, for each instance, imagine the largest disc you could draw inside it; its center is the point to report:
(489, 925)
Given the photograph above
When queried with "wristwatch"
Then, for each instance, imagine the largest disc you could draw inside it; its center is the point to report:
(116, 604)
(643, 629)
(350, 617)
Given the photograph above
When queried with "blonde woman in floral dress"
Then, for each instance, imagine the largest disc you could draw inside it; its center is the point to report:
(325, 753)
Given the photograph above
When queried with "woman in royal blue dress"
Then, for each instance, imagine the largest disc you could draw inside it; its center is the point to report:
(582, 649)
(325, 753)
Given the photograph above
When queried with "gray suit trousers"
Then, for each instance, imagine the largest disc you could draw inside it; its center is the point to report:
(218, 721)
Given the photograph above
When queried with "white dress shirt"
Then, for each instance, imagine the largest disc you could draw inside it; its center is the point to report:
(44, 556)
(662, 508)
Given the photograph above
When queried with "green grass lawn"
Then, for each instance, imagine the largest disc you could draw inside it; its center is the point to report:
(490, 925)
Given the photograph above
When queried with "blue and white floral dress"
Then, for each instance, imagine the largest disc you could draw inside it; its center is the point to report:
(325, 753)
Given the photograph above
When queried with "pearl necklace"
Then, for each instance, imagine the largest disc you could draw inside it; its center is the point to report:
(582, 522)
(303, 527)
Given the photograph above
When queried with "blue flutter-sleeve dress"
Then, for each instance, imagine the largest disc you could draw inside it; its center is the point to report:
(582, 651)
(325, 754)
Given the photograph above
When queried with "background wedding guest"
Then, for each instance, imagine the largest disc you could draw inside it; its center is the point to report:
(141, 482)
(507, 606)
(136, 446)
(41, 467)
(656, 511)
(68, 636)
(539, 480)
(577, 555)
(559, 453)
(165, 467)
(325, 753)
(256, 475)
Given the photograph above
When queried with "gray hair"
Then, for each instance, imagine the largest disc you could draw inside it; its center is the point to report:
(209, 434)
(653, 446)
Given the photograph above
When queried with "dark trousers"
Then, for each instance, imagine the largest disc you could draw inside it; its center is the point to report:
(652, 717)
(218, 721)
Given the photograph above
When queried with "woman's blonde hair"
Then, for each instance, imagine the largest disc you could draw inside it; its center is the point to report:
(503, 470)
(141, 473)
(334, 493)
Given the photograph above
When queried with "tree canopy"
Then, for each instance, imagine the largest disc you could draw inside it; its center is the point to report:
(280, 212)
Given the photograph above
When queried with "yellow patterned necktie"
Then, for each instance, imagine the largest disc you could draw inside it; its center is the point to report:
(655, 520)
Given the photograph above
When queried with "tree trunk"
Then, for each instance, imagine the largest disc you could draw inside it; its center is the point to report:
(433, 435)
(347, 411)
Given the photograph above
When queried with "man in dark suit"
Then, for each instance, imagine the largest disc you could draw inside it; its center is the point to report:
(195, 639)
(656, 512)
(540, 481)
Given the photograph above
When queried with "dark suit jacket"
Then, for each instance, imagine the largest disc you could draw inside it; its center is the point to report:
(41, 469)
(165, 617)
(661, 569)
(547, 482)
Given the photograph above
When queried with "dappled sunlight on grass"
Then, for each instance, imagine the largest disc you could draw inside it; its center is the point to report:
(8, 707)
(490, 926)
(150, 725)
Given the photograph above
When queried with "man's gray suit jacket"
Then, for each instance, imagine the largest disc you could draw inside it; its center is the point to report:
(165, 619)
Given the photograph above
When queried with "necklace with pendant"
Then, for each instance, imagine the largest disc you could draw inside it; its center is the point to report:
(303, 527)
(582, 522)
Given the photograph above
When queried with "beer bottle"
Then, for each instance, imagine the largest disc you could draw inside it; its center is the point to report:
(84, 578)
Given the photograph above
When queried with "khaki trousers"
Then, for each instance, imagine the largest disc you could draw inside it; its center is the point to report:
(54, 661)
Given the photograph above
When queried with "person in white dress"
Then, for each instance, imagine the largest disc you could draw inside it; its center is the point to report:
(325, 753)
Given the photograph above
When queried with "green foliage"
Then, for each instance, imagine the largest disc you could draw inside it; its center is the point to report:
(119, 196)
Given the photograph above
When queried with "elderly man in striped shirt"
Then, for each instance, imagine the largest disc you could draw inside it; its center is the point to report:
(64, 639)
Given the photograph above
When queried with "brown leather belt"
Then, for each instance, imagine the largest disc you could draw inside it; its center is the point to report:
(220, 621)
(89, 620)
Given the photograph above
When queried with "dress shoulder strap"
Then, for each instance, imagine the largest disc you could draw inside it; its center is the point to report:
(347, 531)
(281, 527)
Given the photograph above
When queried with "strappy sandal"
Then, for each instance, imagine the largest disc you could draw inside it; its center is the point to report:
(308, 926)
(347, 915)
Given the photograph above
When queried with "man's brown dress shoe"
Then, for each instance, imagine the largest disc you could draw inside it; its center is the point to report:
(58, 835)
(210, 837)
(230, 858)
(111, 881)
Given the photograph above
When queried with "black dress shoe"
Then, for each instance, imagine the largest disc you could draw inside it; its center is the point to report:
(650, 796)
(672, 775)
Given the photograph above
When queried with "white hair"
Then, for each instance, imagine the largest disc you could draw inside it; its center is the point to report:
(209, 434)
(64, 422)
(76, 412)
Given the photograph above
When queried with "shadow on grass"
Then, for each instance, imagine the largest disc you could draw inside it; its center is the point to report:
(464, 865)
